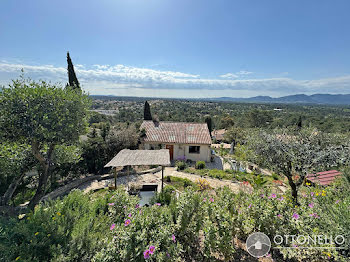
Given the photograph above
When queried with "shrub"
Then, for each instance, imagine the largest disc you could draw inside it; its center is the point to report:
(180, 183)
(196, 226)
(70, 228)
(181, 165)
(200, 165)
(203, 184)
(165, 196)
(275, 176)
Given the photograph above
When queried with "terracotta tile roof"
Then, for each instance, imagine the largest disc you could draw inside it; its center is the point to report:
(176, 132)
(323, 178)
(219, 133)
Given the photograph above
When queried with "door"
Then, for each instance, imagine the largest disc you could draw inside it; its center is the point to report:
(171, 151)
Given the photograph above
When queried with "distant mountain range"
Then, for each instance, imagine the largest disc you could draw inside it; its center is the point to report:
(321, 99)
(300, 98)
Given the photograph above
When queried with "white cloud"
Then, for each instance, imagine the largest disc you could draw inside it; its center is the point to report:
(103, 79)
(243, 72)
(229, 75)
(236, 75)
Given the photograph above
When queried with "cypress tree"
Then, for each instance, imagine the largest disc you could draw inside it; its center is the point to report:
(209, 123)
(72, 78)
(147, 112)
(300, 123)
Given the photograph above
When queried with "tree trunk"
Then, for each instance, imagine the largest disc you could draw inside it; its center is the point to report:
(5, 199)
(43, 177)
(294, 190)
(293, 186)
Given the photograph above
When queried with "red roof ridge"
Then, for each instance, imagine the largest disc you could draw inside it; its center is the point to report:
(175, 122)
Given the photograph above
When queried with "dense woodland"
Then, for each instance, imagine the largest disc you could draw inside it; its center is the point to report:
(243, 115)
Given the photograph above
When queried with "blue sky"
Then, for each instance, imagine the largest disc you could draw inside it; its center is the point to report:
(181, 48)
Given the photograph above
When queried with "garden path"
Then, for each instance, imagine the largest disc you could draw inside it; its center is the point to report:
(156, 179)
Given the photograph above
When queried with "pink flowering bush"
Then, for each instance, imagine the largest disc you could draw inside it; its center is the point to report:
(196, 226)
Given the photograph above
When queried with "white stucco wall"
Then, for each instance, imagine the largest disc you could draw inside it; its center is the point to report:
(181, 150)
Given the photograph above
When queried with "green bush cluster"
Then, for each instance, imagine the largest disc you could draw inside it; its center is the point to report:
(181, 165)
(165, 196)
(196, 226)
(67, 230)
(200, 165)
(180, 183)
(219, 174)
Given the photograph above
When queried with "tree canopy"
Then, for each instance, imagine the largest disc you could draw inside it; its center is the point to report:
(40, 111)
(42, 115)
(296, 154)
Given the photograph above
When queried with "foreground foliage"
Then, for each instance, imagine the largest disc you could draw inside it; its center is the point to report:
(43, 116)
(199, 226)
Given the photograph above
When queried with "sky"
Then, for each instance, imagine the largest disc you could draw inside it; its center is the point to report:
(180, 48)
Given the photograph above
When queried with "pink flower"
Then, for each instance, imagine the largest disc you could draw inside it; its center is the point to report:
(272, 196)
(111, 204)
(311, 205)
(151, 249)
(279, 215)
(173, 237)
(112, 227)
(211, 199)
(312, 194)
(146, 254)
(158, 204)
(129, 215)
(124, 206)
(262, 195)
(127, 222)
(137, 206)
(337, 202)
(296, 216)
(281, 198)
(314, 215)
(204, 199)
(250, 206)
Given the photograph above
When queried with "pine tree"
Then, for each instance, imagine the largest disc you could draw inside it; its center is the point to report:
(147, 112)
(72, 78)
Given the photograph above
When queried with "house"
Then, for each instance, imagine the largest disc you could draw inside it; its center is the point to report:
(218, 134)
(184, 140)
(222, 145)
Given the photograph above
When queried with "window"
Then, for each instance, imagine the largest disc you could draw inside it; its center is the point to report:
(194, 149)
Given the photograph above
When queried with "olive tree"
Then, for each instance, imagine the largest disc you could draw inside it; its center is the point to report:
(298, 153)
(42, 115)
(15, 160)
